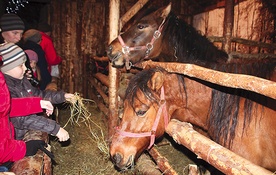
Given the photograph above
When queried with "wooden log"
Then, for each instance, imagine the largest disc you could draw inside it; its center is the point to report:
(100, 58)
(38, 164)
(252, 56)
(102, 78)
(247, 82)
(244, 41)
(228, 25)
(215, 154)
(114, 13)
(131, 12)
(99, 103)
(162, 162)
(99, 90)
(146, 166)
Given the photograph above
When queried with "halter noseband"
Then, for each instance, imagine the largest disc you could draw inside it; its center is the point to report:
(151, 134)
(149, 46)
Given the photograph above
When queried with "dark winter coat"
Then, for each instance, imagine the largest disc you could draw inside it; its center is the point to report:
(11, 149)
(23, 88)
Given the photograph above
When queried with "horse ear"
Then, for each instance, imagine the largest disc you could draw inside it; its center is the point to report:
(156, 81)
(163, 12)
(166, 11)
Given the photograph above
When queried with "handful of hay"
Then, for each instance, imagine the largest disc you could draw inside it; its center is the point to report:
(79, 113)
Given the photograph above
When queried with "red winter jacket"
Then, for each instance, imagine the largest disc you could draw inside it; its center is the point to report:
(49, 49)
(11, 149)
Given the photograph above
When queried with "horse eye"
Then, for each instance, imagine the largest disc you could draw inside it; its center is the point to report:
(140, 113)
(140, 26)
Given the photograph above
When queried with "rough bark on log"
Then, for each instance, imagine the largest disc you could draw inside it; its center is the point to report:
(162, 162)
(247, 82)
(102, 78)
(146, 166)
(215, 154)
(114, 13)
(38, 164)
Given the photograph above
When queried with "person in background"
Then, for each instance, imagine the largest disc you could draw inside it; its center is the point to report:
(31, 39)
(33, 58)
(13, 69)
(10, 149)
(11, 28)
(47, 45)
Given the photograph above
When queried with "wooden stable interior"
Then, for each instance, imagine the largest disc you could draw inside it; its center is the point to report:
(82, 29)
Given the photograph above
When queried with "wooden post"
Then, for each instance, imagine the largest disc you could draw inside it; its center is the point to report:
(114, 13)
(215, 154)
(228, 25)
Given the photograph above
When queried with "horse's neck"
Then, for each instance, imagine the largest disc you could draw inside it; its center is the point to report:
(192, 107)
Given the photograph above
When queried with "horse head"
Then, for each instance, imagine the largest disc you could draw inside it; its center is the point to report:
(144, 119)
(139, 42)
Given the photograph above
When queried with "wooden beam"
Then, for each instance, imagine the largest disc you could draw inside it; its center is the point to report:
(131, 12)
(215, 154)
(247, 82)
(228, 25)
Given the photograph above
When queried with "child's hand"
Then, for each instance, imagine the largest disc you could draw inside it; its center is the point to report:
(48, 106)
(28, 74)
(69, 97)
(62, 135)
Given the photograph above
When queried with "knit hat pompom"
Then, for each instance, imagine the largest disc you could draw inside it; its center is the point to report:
(12, 56)
(10, 21)
(32, 35)
(32, 55)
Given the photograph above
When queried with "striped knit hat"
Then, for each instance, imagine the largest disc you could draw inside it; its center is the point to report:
(10, 21)
(12, 56)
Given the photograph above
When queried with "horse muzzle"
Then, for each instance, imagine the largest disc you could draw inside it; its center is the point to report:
(115, 57)
(117, 160)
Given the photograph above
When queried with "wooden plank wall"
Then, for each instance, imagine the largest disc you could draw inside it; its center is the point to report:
(78, 34)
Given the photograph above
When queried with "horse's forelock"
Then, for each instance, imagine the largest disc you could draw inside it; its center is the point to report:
(140, 81)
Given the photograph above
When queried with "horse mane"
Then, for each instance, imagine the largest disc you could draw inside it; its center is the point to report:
(189, 45)
(225, 103)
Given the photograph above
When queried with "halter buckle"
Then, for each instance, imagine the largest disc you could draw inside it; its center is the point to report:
(156, 34)
(125, 50)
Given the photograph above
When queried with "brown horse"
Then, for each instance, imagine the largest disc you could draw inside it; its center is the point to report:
(162, 35)
(240, 120)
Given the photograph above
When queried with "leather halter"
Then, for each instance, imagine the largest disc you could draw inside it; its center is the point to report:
(148, 47)
(151, 134)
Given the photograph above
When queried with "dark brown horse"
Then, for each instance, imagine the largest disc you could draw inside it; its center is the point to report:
(162, 35)
(240, 120)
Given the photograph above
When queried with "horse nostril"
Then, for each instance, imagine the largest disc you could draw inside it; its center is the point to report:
(117, 158)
